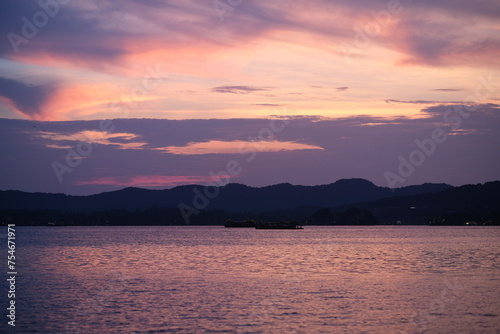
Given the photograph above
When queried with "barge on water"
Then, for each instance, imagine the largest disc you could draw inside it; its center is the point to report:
(281, 225)
(242, 223)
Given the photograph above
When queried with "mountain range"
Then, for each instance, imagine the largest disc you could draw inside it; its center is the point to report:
(345, 202)
(232, 197)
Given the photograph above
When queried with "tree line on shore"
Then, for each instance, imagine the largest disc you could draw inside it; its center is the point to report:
(172, 216)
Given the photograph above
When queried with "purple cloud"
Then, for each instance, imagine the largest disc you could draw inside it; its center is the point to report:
(446, 90)
(105, 34)
(27, 98)
(240, 89)
(360, 146)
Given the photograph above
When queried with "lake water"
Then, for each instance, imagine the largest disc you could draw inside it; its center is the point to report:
(215, 280)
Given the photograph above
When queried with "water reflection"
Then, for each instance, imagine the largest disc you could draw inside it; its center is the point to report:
(198, 279)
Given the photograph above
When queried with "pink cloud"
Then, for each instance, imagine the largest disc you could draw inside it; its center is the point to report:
(260, 44)
(147, 181)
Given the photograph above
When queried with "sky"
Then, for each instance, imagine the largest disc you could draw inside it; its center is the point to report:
(101, 95)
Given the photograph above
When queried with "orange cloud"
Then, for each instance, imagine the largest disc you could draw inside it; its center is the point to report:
(94, 137)
(81, 100)
(236, 146)
(259, 44)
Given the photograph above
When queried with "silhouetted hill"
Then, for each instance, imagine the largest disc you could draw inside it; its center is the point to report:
(232, 197)
(430, 203)
(470, 202)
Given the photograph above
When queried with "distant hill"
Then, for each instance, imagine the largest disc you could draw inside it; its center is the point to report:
(453, 206)
(232, 197)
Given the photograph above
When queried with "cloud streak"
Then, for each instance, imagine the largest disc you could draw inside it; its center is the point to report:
(446, 90)
(147, 181)
(239, 89)
(92, 137)
(419, 102)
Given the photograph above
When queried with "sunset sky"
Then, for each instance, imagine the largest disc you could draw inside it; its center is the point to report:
(306, 92)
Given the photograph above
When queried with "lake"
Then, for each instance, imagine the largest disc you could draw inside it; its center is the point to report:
(384, 279)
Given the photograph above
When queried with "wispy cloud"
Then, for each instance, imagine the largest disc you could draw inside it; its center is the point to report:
(240, 89)
(446, 90)
(108, 37)
(487, 109)
(448, 38)
(419, 102)
(147, 181)
(271, 105)
(93, 137)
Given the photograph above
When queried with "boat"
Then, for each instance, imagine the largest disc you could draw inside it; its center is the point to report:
(241, 223)
(281, 225)
(52, 224)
